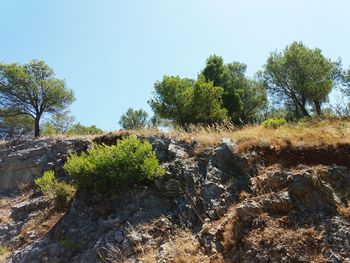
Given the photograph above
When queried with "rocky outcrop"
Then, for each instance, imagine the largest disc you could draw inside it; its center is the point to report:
(21, 163)
(212, 205)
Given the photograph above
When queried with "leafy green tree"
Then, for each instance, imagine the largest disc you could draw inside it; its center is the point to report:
(32, 90)
(300, 76)
(243, 98)
(186, 101)
(79, 129)
(134, 119)
(254, 101)
(12, 126)
(206, 104)
(216, 71)
(346, 82)
(229, 78)
(59, 123)
(172, 99)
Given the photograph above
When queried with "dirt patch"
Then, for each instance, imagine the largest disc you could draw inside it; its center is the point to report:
(290, 155)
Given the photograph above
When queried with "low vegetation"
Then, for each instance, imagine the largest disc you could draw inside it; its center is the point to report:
(129, 161)
(4, 253)
(60, 192)
(273, 123)
(3, 250)
(304, 133)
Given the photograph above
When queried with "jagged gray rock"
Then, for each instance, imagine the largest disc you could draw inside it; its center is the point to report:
(28, 159)
(196, 190)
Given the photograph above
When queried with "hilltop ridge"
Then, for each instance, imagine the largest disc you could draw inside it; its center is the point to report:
(216, 203)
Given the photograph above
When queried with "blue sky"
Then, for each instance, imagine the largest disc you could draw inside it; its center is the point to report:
(111, 52)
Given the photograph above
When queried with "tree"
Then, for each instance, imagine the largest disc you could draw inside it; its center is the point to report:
(185, 101)
(32, 90)
(134, 119)
(229, 78)
(206, 105)
(216, 71)
(172, 99)
(59, 123)
(242, 98)
(300, 76)
(79, 129)
(254, 100)
(12, 126)
(346, 82)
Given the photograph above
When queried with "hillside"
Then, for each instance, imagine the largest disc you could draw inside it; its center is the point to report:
(250, 195)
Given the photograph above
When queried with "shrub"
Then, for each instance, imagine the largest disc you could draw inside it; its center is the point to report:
(129, 161)
(273, 123)
(70, 244)
(3, 250)
(60, 192)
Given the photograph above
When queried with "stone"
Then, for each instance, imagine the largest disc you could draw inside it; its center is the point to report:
(118, 236)
(22, 210)
(22, 163)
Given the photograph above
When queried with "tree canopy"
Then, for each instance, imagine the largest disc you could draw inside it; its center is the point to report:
(134, 119)
(237, 89)
(12, 126)
(301, 77)
(186, 101)
(32, 90)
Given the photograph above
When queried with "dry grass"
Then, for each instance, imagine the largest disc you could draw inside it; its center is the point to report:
(182, 248)
(344, 211)
(315, 132)
(3, 201)
(40, 224)
(305, 242)
(4, 253)
(311, 133)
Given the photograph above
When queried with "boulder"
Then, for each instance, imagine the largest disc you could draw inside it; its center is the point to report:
(29, 159)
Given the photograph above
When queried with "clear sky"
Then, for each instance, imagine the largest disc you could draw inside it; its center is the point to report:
(110, 52)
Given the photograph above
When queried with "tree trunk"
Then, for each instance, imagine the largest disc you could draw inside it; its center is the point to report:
(37, 127)
(304, 111)
(318, 107)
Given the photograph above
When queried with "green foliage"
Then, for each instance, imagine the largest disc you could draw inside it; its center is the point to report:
(172, 99)
(70, 244)
(129, 161)
(134, 119)
(12, 126)
(273, 123)
(63, 123)
(346, 82)
(300, 76)
(254, 100)
(186, 101)
(206, 104)
(59, 123)
(3, 250)
(216, 71)
(242, 98)
(60, 192)
(79, 129)
(32, 89)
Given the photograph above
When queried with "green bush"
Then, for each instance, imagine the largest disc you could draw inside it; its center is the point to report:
(273, 123)
(129, 161)
(60, 192)
(3, 250)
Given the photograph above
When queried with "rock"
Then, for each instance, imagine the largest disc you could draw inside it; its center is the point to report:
(22, 163)
(200, 195)
(118, 236)
(176, 151)
(22, 210)
(248, 210)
